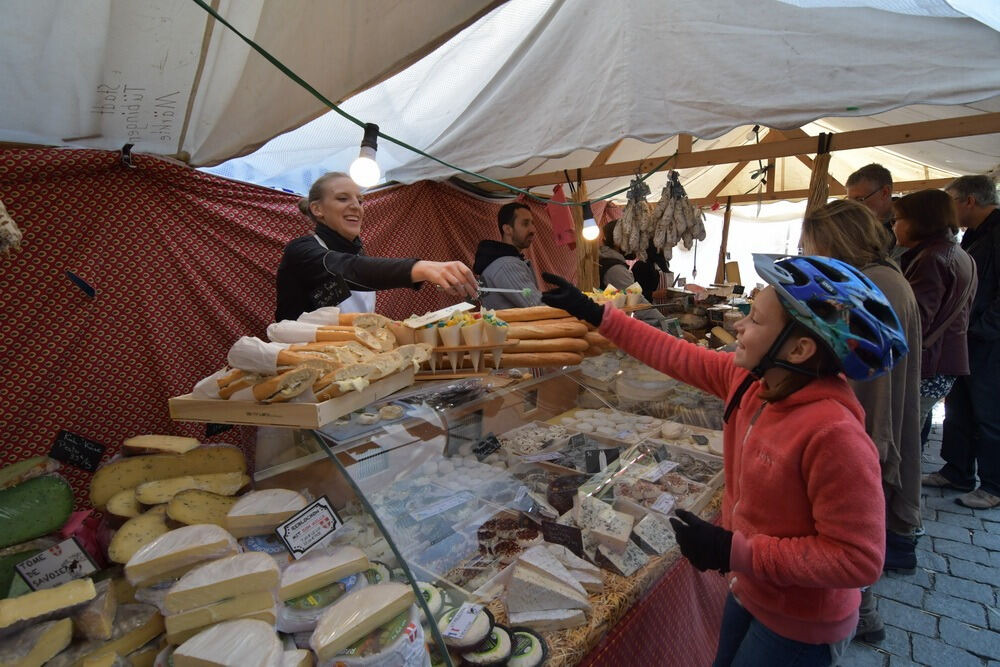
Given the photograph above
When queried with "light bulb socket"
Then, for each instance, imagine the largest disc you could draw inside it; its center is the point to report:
(588, 213)
(370, 139)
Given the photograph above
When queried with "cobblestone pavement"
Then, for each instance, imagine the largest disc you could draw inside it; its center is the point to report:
(948, 613)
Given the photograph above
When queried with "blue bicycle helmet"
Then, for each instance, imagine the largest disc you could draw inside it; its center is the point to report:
(842, 307)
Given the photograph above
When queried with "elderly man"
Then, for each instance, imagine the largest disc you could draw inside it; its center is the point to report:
(972, 419)
(501, 264)
(872, 186)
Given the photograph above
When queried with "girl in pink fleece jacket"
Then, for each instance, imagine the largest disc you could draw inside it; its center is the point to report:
(803, 522)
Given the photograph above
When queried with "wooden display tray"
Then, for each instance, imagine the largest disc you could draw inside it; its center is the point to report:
(299, 415)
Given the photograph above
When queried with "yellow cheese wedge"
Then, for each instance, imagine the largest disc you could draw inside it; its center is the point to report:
(34, 646)
(132, 471)
(216, 613)
(39, 603)
(145, 656)
(314, 572)
(217, 580)
(194, 506)
(102, 660)
(267, 616)
(297, 658)
(124, 504)
(241, 642)
(260, 512)
(135, 626)
(151, 444)
(178, 548)
(97, 619)
(161, 491)
(137, 533)
(356, 614)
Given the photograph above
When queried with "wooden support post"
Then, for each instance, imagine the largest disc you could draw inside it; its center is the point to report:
(720, 271)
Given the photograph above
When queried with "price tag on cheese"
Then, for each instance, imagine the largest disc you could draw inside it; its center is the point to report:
(463, 620)
(56, 565)
(545, 456)
(442, 506)
(309, 527)
(661, 469)
(664, 504)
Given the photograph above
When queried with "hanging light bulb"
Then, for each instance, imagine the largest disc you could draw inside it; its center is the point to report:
(590, 229)
(365, 170)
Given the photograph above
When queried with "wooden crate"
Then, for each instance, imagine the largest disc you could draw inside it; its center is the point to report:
(298, 415)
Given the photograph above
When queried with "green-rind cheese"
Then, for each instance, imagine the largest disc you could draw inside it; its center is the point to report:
(35, 508)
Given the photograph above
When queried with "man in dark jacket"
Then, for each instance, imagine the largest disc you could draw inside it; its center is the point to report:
(972, 420)
(501, 264)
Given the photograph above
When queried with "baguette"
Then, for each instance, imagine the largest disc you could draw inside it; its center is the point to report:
(236, 380)
(597, 340)
(287, 385)
(551, 345)
(322, 362)
(593, 351)
(369, 320)
(352, 377)
(539, 359)
(532, 331)
(326, 334)
(344, 351)
(530, 314)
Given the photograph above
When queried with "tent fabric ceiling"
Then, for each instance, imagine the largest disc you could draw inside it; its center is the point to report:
(539, 85)
(166, 77)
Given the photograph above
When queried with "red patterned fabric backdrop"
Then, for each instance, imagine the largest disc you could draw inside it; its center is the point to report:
(183, 263)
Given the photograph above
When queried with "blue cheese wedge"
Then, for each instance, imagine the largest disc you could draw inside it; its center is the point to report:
(607, 526)
(654, 534)
(530, 591)
(592, 583)
(543, 562)
(626, 563)
(570, 560)
(549, 620)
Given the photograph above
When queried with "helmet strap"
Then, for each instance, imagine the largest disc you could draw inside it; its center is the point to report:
(766, 362)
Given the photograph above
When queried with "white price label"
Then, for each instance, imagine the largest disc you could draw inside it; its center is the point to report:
(442, 506)
(462, 620)
(664, 504)
(56, 565)
(661, 469)
(547, 456)
(309, 527)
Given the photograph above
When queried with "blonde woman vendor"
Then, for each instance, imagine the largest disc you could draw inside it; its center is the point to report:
(330, 267)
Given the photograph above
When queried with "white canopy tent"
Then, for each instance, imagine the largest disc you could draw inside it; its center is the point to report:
(539, 86)
(167, 77)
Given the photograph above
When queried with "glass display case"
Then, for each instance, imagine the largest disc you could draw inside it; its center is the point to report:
(450, 483)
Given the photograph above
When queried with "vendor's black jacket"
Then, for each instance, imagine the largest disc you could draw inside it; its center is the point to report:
(306, 265)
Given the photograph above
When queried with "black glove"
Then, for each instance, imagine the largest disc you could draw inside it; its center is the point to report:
(704, 544)
(572, 300)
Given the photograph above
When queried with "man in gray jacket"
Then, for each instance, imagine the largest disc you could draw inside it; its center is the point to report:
(501, 264)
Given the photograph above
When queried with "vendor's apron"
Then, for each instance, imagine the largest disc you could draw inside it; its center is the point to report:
(358, 302)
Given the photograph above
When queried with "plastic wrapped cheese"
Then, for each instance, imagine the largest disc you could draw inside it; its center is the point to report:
(242, 643)
(319, 569)
(224, 578)
(36, 606)
(177, 549)
(400, 642)
(301, 614)
(260, 512)
(357, 614)
(135, 625)
(36, 645)
(181, 626)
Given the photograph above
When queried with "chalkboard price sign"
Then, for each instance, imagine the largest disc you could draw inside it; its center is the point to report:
(77, 450)
(570, 537)
(485, 447)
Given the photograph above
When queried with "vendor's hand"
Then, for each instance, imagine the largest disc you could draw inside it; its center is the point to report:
(572, 300)
(454, 277)
(706, 545)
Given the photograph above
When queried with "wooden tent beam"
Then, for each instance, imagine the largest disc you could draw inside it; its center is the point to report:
(605, 154)
(720, 270)
(948, 128)
(684, 143)
(792, 195)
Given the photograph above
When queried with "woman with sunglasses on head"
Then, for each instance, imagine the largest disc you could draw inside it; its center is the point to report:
(314, 269)
(849, 232)
(800, 533)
